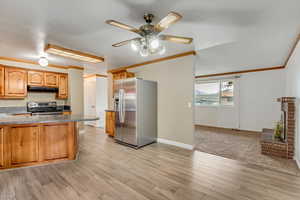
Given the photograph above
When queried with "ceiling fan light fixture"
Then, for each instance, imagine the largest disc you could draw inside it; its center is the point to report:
(154, 44)
(43, 61)
(144, 51)
(162, 50)
(135, 45)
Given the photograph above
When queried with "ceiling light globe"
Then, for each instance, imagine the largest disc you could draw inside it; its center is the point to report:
(144, 52)
(43, 61)
(154, 44)
(162, 51)
(135, 45)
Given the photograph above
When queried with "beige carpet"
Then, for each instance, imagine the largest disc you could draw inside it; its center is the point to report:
(242, 146)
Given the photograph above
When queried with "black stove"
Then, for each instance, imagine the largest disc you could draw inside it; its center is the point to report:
(44, 108)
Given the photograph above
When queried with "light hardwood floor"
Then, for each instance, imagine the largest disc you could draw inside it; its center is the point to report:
(109, 171)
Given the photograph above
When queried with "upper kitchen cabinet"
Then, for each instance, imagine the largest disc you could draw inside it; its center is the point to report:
(15, 82)
(1, 80)
(122, 75)
(35, 78)
(63, 86)
(51, 79)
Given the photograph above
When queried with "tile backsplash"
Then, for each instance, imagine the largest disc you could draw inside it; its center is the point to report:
(32, 96)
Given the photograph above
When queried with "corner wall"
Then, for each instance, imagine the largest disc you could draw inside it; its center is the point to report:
(76, 91)
(293, 90)
(255, 103)
(175, 96)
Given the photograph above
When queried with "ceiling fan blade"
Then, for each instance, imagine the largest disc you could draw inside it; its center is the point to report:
(123, 42)
(177, 39)
(170, 19)
(122, 26)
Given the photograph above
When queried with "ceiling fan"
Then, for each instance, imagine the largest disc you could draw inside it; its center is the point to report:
(150, 38)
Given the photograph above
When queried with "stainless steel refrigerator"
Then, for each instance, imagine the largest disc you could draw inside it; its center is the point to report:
(136, 111)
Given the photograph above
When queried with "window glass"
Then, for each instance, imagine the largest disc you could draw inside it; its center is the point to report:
(207, 93)
(227, 92)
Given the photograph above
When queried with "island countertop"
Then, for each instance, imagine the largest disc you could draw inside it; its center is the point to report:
(45, 119)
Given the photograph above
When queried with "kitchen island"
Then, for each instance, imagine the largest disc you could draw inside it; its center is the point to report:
(35, 140)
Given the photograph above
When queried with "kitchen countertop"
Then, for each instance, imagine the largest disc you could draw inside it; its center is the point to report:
(45, 119)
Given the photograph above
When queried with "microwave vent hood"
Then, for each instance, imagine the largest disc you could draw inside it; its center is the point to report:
(41, 89)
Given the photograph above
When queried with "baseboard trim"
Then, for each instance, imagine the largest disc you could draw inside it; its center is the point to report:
(174, 143)
(230, 129)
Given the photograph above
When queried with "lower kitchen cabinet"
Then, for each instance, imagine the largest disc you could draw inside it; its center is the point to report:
(33, 144)
(24, 144)
(2, 157)
(54, 145)
(110, 123)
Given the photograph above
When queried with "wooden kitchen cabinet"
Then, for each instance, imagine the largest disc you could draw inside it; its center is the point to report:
(123, 75)
(62, 86)
(54, 139)
(1, 80)
(35, 78)
(33, 144)
(2, 150)
(110, 123)
(15, 82)
(24, 144)
(51, 79)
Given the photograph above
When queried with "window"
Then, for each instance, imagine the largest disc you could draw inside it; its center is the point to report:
(214, 93)
(207, 93)
(227, 93)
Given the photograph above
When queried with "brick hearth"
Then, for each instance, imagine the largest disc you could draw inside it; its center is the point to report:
(284, 149)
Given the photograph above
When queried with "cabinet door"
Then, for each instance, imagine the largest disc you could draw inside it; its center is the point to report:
(51, 79)
(2, 158)
(54, 141)
(63, 86)
(24, 144)
(15, 82)
(110, 123)
(35, 78)
(1, 80)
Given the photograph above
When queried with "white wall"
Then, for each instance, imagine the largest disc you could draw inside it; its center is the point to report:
(175, 91)
(293, 90)
(255, 104)
(95, 97)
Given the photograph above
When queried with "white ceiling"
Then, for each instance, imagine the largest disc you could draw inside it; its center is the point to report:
(228, 34)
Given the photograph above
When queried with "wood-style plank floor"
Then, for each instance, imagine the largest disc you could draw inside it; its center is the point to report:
(109, 171)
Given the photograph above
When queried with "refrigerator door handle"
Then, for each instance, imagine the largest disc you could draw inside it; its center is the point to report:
(121, 106)
(124, 105)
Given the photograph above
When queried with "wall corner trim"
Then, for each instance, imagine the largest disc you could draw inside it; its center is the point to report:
(174, 143)
(297, 161)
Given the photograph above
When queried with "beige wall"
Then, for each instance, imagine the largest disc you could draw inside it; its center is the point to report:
(175, 92)
(76, 91)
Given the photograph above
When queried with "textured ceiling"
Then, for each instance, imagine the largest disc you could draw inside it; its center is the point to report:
(228, 35)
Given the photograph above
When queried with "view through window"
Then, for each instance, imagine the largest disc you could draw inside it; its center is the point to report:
(214, 93)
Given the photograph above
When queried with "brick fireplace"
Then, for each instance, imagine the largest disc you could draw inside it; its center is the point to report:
(284, 148)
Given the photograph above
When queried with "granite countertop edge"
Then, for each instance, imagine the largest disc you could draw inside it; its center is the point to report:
(45, 119)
